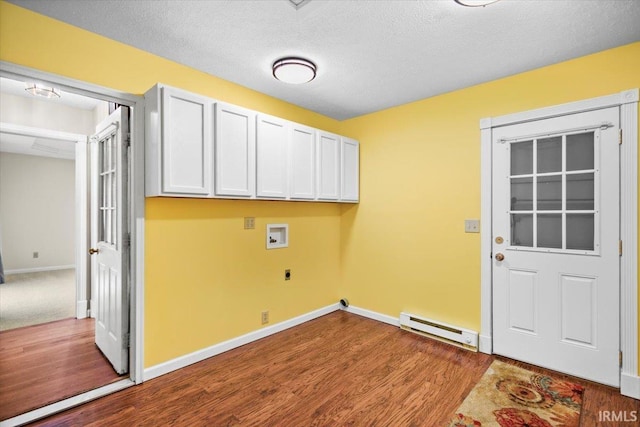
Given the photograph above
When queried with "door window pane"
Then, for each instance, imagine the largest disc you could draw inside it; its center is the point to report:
(550, 193)
(550, 154)
(522, 158)
(580, 195)
(521, 194)
(580, 231)
(580, 151)
(550, 231)
(522, 230)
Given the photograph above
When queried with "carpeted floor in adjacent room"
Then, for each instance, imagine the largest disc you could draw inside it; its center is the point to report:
(32, 298)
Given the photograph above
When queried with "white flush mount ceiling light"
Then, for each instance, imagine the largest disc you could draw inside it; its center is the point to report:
(43, 91)
(475, 3)
(294, 70)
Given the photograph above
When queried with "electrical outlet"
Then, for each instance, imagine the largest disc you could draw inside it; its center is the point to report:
(36, 254)
(249, 222)
(471, 225)
(287, 274)
(265, 317)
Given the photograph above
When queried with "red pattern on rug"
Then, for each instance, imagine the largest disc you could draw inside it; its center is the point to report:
(509, 396)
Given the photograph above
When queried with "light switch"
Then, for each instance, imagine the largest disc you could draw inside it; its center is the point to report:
(471, 225)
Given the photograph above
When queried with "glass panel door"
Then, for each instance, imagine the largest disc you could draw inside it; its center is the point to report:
(107, 227)
(553, 183)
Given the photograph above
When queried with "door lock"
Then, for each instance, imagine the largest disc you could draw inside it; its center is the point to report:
(93, 251)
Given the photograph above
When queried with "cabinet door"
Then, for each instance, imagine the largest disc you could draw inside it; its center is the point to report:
(272, 165)
(235, 151)
(328, 166)
(302, 150)
(186, 143)
(350, 173)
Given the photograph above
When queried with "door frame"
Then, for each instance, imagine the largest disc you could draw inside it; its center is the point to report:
(136, 225)
(628, 103)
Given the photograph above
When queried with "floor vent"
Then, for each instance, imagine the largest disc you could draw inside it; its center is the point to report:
(440, 331)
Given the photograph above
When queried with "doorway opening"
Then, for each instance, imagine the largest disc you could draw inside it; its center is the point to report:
(84, 370)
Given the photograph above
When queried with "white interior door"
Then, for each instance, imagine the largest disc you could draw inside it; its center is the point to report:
(109, 213)
(556, 244)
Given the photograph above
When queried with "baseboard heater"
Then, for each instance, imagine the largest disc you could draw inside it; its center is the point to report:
(460, 337)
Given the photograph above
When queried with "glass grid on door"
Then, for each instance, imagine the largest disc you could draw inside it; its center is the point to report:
(107, 227)
(553, 192)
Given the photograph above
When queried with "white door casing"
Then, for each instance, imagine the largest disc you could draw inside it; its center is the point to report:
(109, 210)
(556, 223)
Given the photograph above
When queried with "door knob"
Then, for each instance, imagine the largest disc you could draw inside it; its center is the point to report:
(93, 251)
(499, 257)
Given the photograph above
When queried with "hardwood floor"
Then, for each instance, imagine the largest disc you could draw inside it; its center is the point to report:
(340, 369)
(45, 363)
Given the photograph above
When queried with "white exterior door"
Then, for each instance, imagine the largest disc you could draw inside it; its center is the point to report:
(556, 244)
(109, 217)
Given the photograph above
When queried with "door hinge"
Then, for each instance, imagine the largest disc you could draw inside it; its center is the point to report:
(127, 239)
(620, 137)
(620, 247)
(620, 358)
(128, 139)
(126, 340)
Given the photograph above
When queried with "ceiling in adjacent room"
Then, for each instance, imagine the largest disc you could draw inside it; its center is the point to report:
(370, 55)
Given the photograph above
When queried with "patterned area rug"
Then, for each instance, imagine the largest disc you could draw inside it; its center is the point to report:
(509, 396)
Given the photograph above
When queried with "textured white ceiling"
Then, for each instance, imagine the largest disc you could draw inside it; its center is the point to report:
(371, 55)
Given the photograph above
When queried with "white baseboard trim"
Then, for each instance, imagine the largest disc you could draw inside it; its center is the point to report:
(39, 269)
(63, 405)
(395, 321)
(214, 350)
(486, 344)
(630, 385)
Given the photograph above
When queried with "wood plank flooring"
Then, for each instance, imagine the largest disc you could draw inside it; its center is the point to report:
(338, 370)
(46, 363)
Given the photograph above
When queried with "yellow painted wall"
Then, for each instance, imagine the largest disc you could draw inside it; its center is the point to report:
(206, 278)
(404, 246)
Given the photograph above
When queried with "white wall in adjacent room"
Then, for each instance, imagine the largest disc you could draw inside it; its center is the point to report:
(20, 110)
(37, 211)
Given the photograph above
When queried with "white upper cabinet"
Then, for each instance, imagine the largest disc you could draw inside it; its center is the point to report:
(328, 166)
(179, 138)
(272, 159)
(235, 140)
(302, 152)
(199, 147)
(350, 171)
